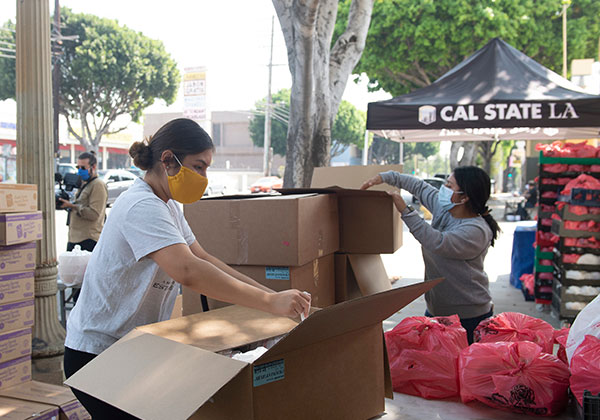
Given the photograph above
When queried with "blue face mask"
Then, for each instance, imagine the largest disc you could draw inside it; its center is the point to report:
(84, 174)
(445, 198)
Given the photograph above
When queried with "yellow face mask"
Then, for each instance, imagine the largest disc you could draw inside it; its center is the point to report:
(187, 186)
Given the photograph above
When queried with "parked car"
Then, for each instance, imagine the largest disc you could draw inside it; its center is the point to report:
(266, 184)
(117, 181)
(140, 173)
(436, 182)
(215, 188)
(66, 168)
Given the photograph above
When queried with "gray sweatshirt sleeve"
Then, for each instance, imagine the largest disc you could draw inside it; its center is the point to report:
(464, 242)
(427, 194)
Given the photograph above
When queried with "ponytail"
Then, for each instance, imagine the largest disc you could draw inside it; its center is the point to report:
(475, 183)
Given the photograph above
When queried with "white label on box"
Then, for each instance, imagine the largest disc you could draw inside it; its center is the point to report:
(269, 372)
(277, 273)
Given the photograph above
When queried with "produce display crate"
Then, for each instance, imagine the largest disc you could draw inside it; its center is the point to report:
(560, 273)
(561, 291)
(579, 196)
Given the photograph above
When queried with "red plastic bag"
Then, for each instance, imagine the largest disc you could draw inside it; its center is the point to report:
(585, 368)
(560, 337)
(514, 326)
(423, 354)
(517, 377)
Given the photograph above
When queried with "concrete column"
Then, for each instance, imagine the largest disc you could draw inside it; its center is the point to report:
(35, 165)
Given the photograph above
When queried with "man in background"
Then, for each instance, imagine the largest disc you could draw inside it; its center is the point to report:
(87, 212)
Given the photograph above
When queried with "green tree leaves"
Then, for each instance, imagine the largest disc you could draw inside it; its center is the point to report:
(413, 42)
(109, 71)
(348, 127)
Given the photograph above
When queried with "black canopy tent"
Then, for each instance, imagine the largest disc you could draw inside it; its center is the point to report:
(496, 93)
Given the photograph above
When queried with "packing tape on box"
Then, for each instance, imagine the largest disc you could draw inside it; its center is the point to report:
(241, 234)
(320, 243)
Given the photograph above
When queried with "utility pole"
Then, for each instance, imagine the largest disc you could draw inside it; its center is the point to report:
(267, 143)
(56, 51)
(565, 5)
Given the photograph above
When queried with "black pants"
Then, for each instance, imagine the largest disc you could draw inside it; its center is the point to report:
(75, 360)
(87, 245)
(469, 324)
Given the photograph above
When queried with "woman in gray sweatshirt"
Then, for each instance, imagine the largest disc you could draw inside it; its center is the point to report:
(454, 246)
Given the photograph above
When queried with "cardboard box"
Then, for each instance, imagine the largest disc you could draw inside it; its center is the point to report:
(268, 230)
(14, 409)
(359, 275)
(16, 286)
(16, 228)
(60, 398)
(369, 221)
(15, 372)
(317, 277)
(351, 177)
(16, 315)
(16, 258)
(15, 344)
(18, 197)
(332, 365)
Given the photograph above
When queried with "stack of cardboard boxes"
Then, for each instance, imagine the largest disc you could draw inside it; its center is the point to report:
(21, 398)
(325, 241)
(20, 228)
(282, 242)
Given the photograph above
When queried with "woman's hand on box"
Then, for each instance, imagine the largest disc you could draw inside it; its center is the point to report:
(289, 303)
(376, 180)
(398, 200)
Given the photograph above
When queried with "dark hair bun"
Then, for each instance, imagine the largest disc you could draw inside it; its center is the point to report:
(141, 154)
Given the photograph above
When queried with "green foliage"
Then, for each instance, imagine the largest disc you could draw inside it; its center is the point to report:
(348, 126)
(413, 42)
(110, 70)
(113, 69)
(7, 65)
(280, 106)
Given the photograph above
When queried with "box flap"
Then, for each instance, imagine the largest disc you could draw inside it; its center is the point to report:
(370, 273)
(151, 377)
(40, 392)
(349, 316)
(15, 409)
(222, 329)
(351, 176)
(334, 189)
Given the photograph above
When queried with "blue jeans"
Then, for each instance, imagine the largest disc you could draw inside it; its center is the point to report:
(469, 324)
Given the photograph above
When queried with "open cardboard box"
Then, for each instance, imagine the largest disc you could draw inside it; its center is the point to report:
(332, 365)
(369, 221)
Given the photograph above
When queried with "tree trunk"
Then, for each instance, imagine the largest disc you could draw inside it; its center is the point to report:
(487, 150)
(319, 76)
(469, 153)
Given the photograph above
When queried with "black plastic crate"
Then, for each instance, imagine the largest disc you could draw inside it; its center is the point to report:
(591, 407)
(562, 249)
(582, 197)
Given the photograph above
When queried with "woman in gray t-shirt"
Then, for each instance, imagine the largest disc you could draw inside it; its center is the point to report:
(455, 244)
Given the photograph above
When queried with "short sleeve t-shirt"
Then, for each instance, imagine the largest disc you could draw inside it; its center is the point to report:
(123, 288)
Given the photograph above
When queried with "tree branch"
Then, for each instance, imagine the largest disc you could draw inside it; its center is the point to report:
(348, 48)
(401, 77)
